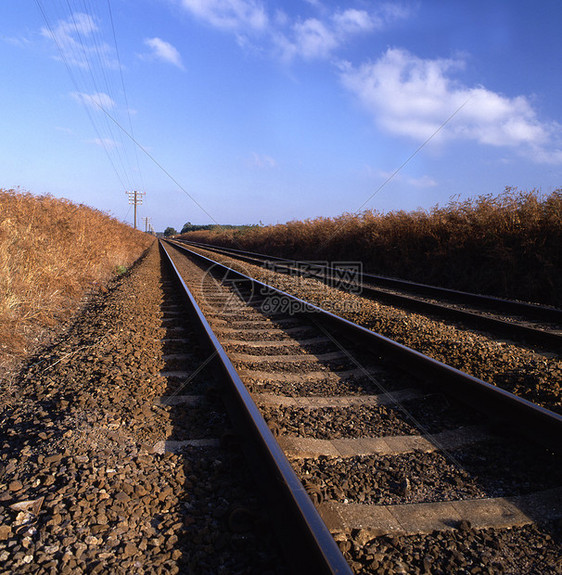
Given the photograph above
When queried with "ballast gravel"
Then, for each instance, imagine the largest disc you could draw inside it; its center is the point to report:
(524, 371)
(82, 489)
(427, 477)
(473, 472)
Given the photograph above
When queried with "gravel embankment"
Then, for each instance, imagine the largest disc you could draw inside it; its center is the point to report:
(81, 488)
(493, 467)
(528, 373)
(489, 468)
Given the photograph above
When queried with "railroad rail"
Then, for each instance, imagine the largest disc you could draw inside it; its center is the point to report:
(315, 548)
(530, 323)
(306, 373)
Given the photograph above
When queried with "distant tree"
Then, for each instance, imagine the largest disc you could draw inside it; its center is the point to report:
(170, 232)
(189, 227)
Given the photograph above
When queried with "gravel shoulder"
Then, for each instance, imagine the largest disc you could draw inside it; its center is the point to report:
(524, 371)
(81, 488)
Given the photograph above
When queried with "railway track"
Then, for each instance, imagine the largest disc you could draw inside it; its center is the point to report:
(531, 324)
(405, 476)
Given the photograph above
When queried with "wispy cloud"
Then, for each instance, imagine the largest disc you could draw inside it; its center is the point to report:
(309, 39)
(416, 182)
(320, 38)
(67, 131)
(77, 44)
(262, 161)
(107, 143)
(410, 96)
(290, 38)
(95, 101)
(21, 41)
(234, 15)
(164, 51)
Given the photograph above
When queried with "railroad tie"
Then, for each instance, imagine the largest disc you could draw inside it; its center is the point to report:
(305, 447)
(416, 518)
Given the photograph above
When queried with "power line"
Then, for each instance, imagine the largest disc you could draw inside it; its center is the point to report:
(410, 157)
(81, 53)
(399, 169)
(135, 198)
(74, 80)
(123, 86)
(82, 48)
(153, 159)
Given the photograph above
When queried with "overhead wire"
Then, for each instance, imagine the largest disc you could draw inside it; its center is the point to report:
(120, 67)
(81, 56)
(413, 154)
(98, 67)
(87, 59)
(65, 59)
(161, 167)
(105, 63)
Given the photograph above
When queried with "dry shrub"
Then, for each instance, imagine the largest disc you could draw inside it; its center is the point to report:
(507, 245)
(52, 252)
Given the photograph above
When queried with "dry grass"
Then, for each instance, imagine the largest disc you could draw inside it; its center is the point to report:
(507, 245)
(53, 252)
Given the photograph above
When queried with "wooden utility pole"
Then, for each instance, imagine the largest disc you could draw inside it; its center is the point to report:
(135, 198)
(147, 225)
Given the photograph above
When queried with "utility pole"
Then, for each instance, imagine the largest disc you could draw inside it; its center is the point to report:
(135, 198)
(147, 225)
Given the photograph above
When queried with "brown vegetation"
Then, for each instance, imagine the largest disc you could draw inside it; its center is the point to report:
(52, 252)
(508, 245)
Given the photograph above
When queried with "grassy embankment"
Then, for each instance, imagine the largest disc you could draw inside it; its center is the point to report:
(53, 252)
(509, 245)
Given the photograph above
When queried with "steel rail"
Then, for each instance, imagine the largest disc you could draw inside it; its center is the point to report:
(521, 415)
(543, 312)
(313, 549)
(528, 334)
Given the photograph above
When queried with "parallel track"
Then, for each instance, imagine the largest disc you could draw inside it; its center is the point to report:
(532, 324)
(330, 390)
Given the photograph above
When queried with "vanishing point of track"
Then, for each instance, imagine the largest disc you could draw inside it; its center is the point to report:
(371, 439)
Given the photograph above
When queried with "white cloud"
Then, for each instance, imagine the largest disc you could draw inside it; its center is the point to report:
(76, 44)
(234, 15)
(20, 42)
(106, 143)
(79, 23)
(319, 39)
(312, 39)
(262, 161)
(164, 51)
(309, 38)
(354, 21)
(95, 101)
(67, 131)
(413, 97)
(422, 182)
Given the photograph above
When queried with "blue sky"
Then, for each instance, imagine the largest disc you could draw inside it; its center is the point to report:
(249, 111)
